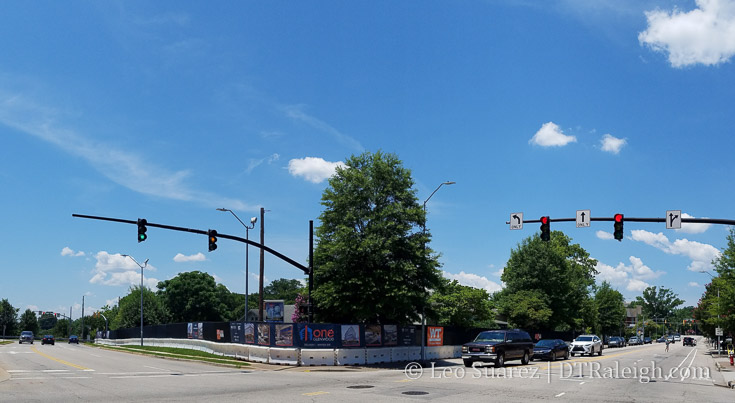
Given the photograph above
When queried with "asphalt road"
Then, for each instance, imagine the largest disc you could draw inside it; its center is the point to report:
(640, 373)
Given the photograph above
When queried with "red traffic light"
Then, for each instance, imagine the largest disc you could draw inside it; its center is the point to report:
(544, 220)
(618, 218)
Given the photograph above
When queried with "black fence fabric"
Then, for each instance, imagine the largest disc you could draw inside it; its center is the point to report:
(316, 335)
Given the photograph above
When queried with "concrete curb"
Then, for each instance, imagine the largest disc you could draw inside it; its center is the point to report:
(4, 375)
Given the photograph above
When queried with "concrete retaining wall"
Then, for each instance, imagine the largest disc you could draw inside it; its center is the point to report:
(314, 357)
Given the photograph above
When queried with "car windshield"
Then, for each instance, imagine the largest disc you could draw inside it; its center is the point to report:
(584, 338)
(490, 336)
(545, 343)
(26, 333)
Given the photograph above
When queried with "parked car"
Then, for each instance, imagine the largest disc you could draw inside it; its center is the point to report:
(73, 339)
(634, 341)
(587, 344)
(647, 340)
(677, 337)
(48, 339)
(689, 341)
(615, 341)
(498, 346)
(550, 349)
(661, 339)
(26, 336)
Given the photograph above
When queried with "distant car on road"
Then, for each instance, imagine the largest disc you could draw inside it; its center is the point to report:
(689, 341)
(26, 336)
(587, 344)
(615, 341)
(634, 341)
(73, 339)
(48, 339)
(550, 349)
(661, 339)
(677, 337)
(647, 340)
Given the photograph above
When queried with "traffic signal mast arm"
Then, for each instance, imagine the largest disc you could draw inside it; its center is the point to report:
(203, 232)
(633, 219)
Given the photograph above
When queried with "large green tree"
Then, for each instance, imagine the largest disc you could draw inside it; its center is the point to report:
(128, 313)
(373, 262)
(658, 302)
(717, 305)
(28, 321)
(610, 309)
(454, 304)
(195, 296)
(285, 289)
(8, 318)
(557, 276)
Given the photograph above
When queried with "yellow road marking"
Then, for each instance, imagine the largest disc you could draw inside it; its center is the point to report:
(405, 380)
(58, 360)
(315, 393)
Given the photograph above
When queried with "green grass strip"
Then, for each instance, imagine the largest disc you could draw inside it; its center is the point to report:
(182, 353)
(6, 342)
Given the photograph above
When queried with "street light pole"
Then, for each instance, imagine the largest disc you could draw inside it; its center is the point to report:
(141, 294)
(253, 220)
(423, 311)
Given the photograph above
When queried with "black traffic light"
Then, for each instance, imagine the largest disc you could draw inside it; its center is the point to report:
(212, 239)
(142, 222)
(545, 228)
(618, 227)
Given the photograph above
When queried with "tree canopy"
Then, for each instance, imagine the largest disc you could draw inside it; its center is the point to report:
(194, 296)
(610, 309)
(454, 304)
(553, 280)
(658, 303)
(8, 318)
(372, 261)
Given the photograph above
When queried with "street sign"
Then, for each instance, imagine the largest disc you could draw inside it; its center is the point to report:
(718, 331)
(583, 218)
(516, 221)
(673, 219)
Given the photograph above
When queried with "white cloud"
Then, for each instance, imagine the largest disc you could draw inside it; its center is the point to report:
(704, 35)
(693, 284)
(67, 251)
(180, 258)
(692, 228)
(295, 112)
(604, 235)
(632, 276)
(701, 254)
(473, 280)
(612, 144)
(550, 135)
(313, 169)
(115, 270)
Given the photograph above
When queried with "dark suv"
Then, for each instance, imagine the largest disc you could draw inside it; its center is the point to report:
(498, 346)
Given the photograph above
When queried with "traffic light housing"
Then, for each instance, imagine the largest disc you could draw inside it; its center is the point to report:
(212, 234)
(618, 226)
(142, 222)
(545, 228)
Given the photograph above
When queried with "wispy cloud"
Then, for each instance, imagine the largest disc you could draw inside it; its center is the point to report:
(612, 144)
(474, 280)
(296, 112)
(67, 251)
(632, 276)
(254, 163)
(125, 168)
(181, 258)
(117, 270)
(551, 135)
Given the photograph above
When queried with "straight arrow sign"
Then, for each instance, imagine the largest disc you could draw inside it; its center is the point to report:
(673, 219)
(583, 218)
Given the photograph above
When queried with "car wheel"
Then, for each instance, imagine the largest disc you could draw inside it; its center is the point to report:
(566, 355)
(525, 358)
(500, 361)
(467, 363)
(553, 356)
(600, 352)
(572, 354)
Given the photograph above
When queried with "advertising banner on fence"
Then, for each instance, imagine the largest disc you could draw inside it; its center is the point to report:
(373, 335)
(236, 332)
(195, 330)
(248, 331)
(390, 335)
(264, 334)
(273, 310)
(284, 335)
(434, 336)
(350, 335)
(410, 336)
(318, 335)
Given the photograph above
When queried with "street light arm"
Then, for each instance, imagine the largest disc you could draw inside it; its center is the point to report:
(238, 218)
(436, 190)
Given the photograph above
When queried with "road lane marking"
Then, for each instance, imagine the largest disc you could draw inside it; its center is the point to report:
(58, 360)
(156, 368)
(560, 394)
(315, 393)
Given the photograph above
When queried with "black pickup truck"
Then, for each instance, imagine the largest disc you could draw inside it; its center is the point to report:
(498, 346)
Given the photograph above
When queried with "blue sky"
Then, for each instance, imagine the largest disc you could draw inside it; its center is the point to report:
(169, 110)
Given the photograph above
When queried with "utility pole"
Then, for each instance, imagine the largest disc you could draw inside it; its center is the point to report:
(262, 264)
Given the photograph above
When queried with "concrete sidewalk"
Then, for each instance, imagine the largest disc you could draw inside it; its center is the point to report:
(722, 365)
